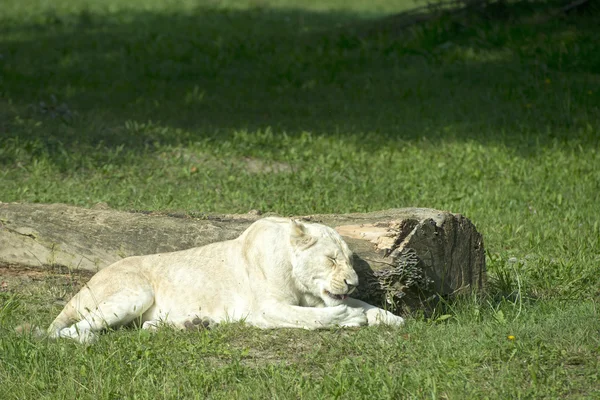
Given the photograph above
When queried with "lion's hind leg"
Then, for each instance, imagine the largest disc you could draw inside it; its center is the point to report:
(118, 309)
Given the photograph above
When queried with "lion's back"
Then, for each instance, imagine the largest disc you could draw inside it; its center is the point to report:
(210, 281)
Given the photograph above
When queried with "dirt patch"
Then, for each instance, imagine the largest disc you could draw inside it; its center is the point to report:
(199, 160)
(8, 270)
(56, 283)
(14, 270)
(257, 166)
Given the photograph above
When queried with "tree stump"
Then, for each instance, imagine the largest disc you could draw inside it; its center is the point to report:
(403, 256)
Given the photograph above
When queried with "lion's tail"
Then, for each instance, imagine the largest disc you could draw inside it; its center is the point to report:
(31, 330)
(63, 320)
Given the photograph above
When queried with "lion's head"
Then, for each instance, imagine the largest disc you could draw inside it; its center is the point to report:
(322, 262)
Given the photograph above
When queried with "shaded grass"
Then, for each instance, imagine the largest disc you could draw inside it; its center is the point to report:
(132, 78)
(280, 106)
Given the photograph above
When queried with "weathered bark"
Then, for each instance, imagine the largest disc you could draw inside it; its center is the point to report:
(403, 256)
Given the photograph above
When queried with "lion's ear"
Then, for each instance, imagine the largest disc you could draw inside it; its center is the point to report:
(299, 238)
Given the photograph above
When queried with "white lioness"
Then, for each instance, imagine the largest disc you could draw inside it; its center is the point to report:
(278, 273)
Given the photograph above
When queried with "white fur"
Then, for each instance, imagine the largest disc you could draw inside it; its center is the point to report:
(278, 273)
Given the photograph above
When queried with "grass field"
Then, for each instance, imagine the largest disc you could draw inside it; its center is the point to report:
(300, 107)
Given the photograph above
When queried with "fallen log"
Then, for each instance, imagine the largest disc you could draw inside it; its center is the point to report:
(403, 256)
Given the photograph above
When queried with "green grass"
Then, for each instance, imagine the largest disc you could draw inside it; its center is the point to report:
(314, 107)
(554, 354)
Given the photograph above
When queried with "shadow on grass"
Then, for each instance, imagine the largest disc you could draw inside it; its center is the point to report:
(136, 78)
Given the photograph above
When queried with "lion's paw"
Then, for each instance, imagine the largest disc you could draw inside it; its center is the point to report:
(382, 317)
(350, 316)
(198, 324)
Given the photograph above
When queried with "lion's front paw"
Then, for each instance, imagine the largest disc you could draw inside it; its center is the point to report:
(351, 316)
(394, 320)
(378, 316)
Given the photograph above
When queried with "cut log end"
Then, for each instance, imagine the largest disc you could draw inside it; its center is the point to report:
(405, 262)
